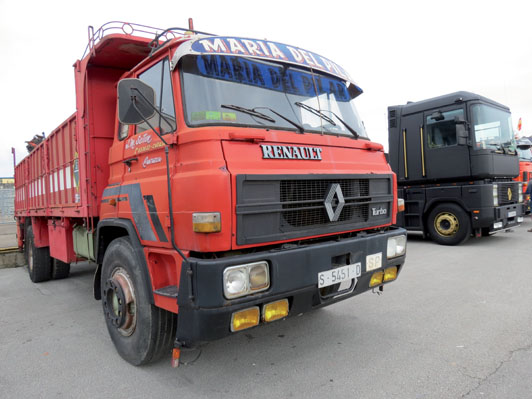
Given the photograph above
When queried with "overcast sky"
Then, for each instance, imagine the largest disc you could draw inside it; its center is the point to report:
(397, 51)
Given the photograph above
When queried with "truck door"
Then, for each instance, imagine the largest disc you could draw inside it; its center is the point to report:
(411, 148)
(445, 156)
(143, 192)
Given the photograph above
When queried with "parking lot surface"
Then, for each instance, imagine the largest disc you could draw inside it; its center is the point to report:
(456, 324)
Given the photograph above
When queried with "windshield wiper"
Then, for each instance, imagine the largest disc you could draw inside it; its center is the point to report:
(319, 113)
(316, 112)
(300, 128)
(248, 111)
(348, 127)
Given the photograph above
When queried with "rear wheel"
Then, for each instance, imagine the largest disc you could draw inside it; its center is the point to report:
(448, 224)
(39, 261)
(140, 331)
(60, 269)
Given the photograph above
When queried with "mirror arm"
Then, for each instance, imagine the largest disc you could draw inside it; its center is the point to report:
(168, 180)
(133, 101)
(153, 107)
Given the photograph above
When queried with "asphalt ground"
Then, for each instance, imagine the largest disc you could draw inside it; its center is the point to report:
(456, 324)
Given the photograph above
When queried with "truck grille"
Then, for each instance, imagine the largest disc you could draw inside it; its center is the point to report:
(280, 207)
(506, 196)
(302, 201)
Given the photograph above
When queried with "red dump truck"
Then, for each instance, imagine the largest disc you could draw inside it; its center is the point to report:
(218, 183)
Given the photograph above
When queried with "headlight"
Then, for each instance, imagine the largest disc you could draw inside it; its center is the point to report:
(396, 246)
(495, 195)
(520, 192)
(246, 279)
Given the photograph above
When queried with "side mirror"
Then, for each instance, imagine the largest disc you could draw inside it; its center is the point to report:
(437, 116)
(461, 133)
(136, 101)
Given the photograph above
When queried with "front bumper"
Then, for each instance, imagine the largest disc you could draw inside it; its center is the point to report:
(502, 217)
(205, 314)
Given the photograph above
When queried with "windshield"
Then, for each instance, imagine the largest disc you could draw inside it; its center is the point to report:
(230, 90)
(525, 154)
(493, 128)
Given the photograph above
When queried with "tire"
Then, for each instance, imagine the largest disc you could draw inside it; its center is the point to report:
(60, 269)
(141, 332)
(449, 224)
(39, 261)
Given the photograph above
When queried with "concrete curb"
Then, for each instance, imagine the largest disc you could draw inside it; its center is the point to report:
(12, 259)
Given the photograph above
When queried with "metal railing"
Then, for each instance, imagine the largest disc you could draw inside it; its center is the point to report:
(157, 34)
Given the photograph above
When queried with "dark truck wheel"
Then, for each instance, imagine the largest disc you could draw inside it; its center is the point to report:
(448, 224)
(60, 269)
(39, 261)
(140, 331)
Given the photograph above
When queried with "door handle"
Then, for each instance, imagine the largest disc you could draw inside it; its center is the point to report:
(129, 161)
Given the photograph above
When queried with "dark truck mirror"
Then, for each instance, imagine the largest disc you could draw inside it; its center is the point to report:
(437, 116)
(461, 130)
(136, 101)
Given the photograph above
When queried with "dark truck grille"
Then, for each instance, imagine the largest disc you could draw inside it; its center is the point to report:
(508, 193)
(274, 208)
(303, 201)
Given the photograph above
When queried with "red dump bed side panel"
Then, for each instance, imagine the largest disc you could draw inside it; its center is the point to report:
(47, 180)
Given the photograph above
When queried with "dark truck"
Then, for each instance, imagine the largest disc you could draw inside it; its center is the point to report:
(455, 158)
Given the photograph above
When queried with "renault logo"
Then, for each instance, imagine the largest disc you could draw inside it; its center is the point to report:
(334, 198)
(509, 194)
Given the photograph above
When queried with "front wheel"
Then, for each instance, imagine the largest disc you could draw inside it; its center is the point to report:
(449, 224)
(140, 331)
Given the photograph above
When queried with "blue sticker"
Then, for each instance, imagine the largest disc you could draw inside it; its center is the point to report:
(270, 76)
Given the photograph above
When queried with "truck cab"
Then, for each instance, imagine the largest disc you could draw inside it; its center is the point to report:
(524, 149)
(455, 158)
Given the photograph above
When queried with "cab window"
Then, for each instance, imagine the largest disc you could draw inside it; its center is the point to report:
(441, 130)
(158, 77)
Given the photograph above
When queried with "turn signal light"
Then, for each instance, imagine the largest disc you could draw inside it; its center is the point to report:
(376, 279)
(246, 318)
(400, 205)
(206, 222)
(275, 310)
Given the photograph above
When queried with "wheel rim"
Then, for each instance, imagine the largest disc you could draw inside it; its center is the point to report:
(119, 302)
(446, 224)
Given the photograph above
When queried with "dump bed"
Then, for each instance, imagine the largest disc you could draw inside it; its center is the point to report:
(48, 178)
(66, 174)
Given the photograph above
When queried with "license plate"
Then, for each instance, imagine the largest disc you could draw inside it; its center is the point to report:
(373, 261)
(512, 214)
(338, 275)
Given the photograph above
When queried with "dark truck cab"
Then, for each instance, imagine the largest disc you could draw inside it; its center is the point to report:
(455, 158)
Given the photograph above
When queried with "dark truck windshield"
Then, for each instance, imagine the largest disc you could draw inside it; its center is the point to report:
(230, 90)
(493, 128)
